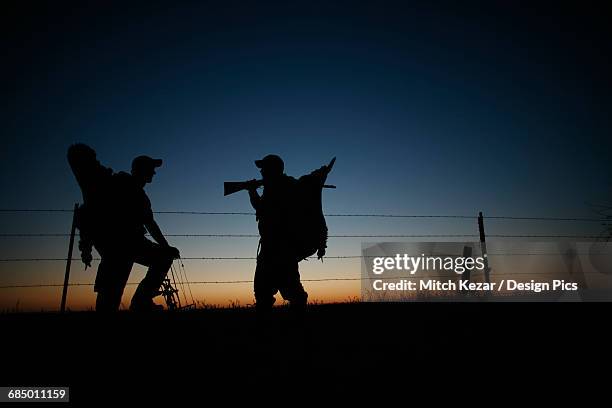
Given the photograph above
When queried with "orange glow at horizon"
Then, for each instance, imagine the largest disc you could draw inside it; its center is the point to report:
(211, 294)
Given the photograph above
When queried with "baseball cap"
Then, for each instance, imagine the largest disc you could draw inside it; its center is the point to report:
(145, 162)
(271, 161)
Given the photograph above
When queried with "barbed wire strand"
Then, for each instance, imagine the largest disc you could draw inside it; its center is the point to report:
(185, 258)
(54, 285)
(499, 217)
(309, 258)
(63, 235)
(28, 235)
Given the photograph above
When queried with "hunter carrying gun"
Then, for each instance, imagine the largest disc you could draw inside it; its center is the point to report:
(291, 228)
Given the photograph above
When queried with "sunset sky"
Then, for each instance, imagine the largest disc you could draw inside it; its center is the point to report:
(430, 108)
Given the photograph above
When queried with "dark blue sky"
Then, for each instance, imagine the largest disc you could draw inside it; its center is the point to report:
(430, 107)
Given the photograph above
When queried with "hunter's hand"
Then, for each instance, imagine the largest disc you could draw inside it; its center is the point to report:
(252, 185)
(86, 258)
(320, 253)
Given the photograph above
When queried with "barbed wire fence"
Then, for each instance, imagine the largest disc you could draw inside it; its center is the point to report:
(605, 220)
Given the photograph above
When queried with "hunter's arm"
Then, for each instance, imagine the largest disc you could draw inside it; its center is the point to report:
(155, 232)
(255, 199)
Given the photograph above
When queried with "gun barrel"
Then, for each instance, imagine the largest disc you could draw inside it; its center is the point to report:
(231, 187)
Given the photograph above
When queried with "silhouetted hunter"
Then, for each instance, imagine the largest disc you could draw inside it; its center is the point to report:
(291, 226)
(114, 218)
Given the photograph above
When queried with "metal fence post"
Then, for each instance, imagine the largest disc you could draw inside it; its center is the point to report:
(69, 260)
(483, 246)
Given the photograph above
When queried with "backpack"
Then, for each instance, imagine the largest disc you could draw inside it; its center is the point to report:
(312, 232)
(94, 181)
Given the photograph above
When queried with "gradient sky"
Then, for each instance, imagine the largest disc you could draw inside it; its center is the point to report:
(430, 108)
